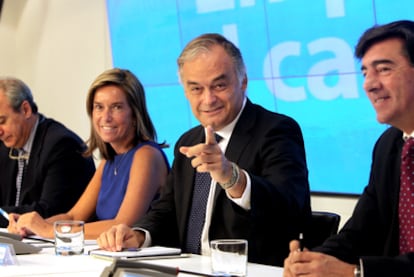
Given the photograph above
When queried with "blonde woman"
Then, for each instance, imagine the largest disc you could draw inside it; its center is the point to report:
(133, 165)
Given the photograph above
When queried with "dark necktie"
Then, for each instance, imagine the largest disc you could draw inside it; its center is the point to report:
(21, 164)
(198, 210)
(406, 202)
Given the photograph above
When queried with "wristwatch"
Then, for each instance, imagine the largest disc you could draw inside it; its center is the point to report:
(235, 175)
(357, 271)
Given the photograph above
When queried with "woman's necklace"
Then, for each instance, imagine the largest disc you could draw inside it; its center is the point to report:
(117, 164)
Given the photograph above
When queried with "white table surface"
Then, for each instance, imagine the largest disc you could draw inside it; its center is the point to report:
(46, 263)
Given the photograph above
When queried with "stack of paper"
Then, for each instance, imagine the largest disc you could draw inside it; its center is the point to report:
(153, 251)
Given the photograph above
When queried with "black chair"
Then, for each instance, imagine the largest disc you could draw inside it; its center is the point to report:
(322, 226)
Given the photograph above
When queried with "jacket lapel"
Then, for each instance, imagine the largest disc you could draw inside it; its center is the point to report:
(240, 137)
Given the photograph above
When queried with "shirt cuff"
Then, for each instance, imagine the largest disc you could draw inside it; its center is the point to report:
(147, 242)
(361, 266)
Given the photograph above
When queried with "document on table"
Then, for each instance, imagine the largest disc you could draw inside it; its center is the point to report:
(152, 251)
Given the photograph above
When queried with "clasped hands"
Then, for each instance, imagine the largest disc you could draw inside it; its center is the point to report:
(314, 264)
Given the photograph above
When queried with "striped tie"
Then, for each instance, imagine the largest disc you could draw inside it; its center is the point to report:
(21, 164)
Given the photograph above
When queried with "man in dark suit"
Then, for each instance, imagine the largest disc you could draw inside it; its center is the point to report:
(259, 178)
(372, 242)
(54, 172)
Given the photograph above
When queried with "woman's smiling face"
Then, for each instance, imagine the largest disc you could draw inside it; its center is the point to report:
(113, 118)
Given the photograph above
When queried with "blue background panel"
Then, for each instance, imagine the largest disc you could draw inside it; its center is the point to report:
(299, 59)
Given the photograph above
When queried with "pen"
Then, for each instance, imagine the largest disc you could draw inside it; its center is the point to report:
(301, 242)
(4, 214)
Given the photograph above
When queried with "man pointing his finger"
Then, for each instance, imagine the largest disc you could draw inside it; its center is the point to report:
(228, 187)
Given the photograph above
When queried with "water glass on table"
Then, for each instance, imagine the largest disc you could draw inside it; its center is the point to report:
(229, 257)
(69, 237)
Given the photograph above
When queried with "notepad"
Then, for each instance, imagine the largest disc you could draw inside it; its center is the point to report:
(139, 252)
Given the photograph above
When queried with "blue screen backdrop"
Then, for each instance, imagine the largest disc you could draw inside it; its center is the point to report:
(299, 58)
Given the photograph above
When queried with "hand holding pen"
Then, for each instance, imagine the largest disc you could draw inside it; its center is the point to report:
(4, 214)
(12, 219)
(7, 217)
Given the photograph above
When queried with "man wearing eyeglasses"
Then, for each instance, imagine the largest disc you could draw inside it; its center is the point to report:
(42, 167)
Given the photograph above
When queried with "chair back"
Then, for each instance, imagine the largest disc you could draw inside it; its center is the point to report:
(322, 226)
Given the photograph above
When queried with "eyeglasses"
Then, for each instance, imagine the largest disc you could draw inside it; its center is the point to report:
(22, 155)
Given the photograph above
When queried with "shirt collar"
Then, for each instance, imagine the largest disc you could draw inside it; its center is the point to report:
(28, 146)
(227, 130)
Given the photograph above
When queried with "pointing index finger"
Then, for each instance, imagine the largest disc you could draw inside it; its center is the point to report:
(210, 138)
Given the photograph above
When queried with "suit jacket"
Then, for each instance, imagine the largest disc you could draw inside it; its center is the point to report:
(372, 232)
(56, 174)
(270, 148)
